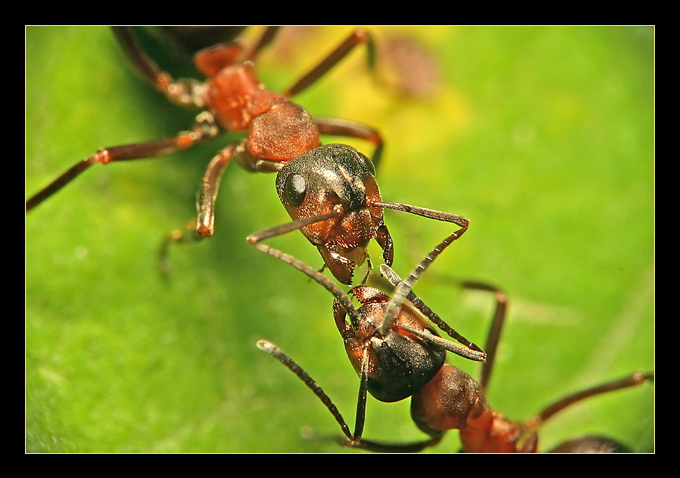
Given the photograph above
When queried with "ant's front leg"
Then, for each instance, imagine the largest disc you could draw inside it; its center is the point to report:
(204, 225)
(204, 129)
(350, 440)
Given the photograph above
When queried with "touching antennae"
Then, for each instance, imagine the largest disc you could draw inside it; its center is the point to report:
(404, 287)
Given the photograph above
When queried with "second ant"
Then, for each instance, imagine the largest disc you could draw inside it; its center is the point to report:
(395, 360)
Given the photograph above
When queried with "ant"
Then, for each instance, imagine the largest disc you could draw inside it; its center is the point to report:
(333, 198)
(396, 359)
(231, 99)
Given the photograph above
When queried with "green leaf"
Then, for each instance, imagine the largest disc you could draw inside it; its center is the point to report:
(541, 136)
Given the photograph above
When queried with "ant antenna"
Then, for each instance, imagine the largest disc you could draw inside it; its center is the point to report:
(256, 238)
(403, 291)
(402, 288)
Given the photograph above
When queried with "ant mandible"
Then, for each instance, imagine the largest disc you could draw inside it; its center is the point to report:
(231, 99)
(395, 360)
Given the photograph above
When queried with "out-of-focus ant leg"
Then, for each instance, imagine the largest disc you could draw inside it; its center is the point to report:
(266, 38)
(183, 92)
(588, 444)
(495, 329)
(339, 127)
(628, 381)
(356, 38)
(192, 38)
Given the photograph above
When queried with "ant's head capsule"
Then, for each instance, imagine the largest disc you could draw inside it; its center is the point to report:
(399, 362)
(333, 177)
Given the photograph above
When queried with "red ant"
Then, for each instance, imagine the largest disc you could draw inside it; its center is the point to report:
(231, 99)
(396, 355)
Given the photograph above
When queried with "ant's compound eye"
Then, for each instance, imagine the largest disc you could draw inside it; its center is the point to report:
(296, 188)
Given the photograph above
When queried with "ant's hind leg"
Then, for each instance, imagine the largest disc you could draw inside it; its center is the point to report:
(591, 443)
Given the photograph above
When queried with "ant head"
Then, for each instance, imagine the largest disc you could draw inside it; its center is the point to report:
(334, 178)
(397, 362)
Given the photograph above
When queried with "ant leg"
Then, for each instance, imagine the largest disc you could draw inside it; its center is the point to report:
(181, 92)
(190, 39)
(358, 37)
(588, 444)
(141, 62)
(633, 380)
(340, 127)
(494, 336)
(204, 225)
(352, 440)
(266, 38)
(203, 130)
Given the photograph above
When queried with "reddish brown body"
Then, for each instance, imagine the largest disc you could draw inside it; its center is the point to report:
(278, 129)
(453, 400)
(232, 98)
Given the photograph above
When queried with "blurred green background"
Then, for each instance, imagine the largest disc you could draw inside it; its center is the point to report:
(541, 136)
